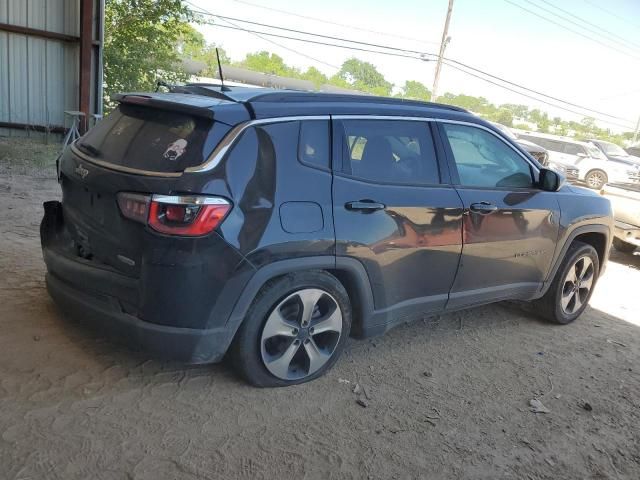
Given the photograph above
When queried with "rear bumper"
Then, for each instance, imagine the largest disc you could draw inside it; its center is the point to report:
(627, 233)
(186, 345)
(102, 297)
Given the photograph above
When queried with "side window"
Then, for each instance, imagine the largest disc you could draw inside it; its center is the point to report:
(573, 149)
(556, 146)
(483, 160)
(313, 143)
(390, 151)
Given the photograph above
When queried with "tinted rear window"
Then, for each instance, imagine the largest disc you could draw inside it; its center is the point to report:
(148, 139)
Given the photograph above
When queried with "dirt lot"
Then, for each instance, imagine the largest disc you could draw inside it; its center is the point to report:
(447, 397)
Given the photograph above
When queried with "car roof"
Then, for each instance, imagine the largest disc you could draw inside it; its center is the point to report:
(207, 100)
(557, 138)
(255, 94)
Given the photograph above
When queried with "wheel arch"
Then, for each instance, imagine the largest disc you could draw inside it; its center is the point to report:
(349, 272)
(596, 235)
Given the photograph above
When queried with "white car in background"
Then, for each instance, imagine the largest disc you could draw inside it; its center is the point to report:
(541, 154)
(595, 170)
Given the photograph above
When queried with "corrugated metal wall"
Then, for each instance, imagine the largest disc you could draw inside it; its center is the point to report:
(38, 77)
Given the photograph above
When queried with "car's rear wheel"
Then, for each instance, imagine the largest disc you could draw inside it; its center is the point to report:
(571, 289)
(596, 179)
(295, 330)
(623, 246)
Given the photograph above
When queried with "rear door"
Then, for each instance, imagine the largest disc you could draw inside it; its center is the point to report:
(510, 226)
(395, 212)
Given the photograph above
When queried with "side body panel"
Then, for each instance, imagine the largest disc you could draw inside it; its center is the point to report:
(509, 252)
(282, 207)
(409, 248)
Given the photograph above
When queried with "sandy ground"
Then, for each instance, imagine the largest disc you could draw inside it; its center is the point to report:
(446, 398)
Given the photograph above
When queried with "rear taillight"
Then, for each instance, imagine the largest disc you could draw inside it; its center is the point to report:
(186, 215)
(134, 206)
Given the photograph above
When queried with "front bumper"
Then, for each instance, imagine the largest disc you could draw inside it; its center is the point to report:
(102, 297)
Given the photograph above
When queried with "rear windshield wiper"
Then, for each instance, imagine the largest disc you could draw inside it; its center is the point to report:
(91, 150)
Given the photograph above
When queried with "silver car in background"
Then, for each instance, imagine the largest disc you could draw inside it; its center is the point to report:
(541, 154)
(595, 169)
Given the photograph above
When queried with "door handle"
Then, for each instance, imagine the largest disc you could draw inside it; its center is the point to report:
(364, 205)
(483, 208)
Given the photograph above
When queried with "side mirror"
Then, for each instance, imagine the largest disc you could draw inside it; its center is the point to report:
(581, 155)
(550, 181)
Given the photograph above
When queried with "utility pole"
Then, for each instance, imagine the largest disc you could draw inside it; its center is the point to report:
(443, 45)
(635, 134)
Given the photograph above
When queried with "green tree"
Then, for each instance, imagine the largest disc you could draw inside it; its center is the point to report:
(266, 62)
(314, 75)
(140, 44)
(516, 110)
(504, 117)
(415, 90)
(362, 76)
(191, 44)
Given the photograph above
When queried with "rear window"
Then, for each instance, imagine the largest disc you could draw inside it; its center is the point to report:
(148, 139)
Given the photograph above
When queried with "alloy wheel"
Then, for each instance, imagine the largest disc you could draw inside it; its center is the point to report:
(301, 334)
(577, 285)
(596, 180)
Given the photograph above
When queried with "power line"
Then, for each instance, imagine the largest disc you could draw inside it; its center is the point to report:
(319, 35)
(416, 52)
(446, 63)
(534, 91)
(628, 42)
(412, 54)
(329, 22)
(279, 44)
(317, 42)
(531, 97)
(613, 14)
(579, 25)
(624, 94)
(572, 30)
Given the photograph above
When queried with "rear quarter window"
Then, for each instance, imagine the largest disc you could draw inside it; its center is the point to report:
(313, 143)
(149, 139)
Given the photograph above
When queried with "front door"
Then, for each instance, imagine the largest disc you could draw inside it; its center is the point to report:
(510, 226)
(393, 214)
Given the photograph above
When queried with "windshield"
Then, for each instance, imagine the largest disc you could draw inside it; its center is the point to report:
(613, 149)
(593, 151)
(507, 131)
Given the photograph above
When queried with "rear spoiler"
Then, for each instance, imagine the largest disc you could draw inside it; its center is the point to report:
(177, 102)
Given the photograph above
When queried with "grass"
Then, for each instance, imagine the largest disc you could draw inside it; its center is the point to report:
(28, 156)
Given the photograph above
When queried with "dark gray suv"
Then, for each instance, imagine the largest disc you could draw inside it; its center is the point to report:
(272, 225)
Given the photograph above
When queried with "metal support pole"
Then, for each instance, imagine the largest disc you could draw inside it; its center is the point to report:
(86, 40)
(443, 45)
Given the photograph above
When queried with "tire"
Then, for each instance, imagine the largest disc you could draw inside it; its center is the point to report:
(596, 179)
(623, 246)
(264, 350)
(552, 305)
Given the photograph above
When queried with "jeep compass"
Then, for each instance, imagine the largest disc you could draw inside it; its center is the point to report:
(269, 226)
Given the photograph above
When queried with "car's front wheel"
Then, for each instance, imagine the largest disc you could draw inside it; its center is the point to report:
(571, 289)
(294, 331)
(596, 179)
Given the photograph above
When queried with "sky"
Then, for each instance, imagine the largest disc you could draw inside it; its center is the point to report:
(497, 36)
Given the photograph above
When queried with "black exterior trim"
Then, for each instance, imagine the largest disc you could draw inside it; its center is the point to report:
(593, 228)
(187, 345)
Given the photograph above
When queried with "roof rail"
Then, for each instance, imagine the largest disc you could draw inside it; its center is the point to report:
(248, 94)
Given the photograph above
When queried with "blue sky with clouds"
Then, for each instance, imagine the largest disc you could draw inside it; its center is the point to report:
(497, 36)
